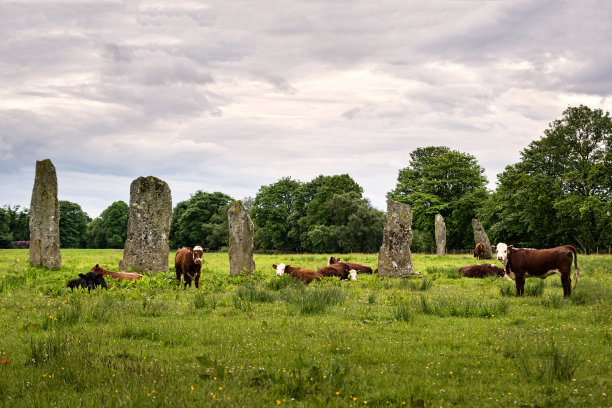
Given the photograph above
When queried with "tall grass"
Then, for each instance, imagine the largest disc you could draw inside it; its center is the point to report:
(314, 300)
(549, 363)
(446, 306)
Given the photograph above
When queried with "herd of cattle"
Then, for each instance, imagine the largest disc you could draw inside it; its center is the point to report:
(519, 263)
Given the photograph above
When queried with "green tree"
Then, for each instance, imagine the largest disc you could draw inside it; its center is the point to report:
(109, 230)
(216, 230)
(560, 190)
(189, 217)
(19, 222)
(72, 225)
(436, 181)
(6, 237)
(271, 211)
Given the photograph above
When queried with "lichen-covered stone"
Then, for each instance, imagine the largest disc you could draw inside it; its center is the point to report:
(481, 236)
(240, 240)
(44, 218)
(146, 246)
(440, 235)
(394, 257)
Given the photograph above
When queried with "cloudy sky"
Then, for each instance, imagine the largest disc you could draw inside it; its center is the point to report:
(231, 95)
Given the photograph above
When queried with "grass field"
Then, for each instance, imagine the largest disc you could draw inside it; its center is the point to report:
(438, 340)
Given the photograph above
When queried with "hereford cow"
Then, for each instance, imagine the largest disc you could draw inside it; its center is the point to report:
(341, 270)
(304, 275)
(523, 263)
(358, 267)
(188, 262)
(482, 271)
(480, 250)
(90, 281)
(117, 275)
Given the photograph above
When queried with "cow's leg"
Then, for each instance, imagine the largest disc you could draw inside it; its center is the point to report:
(197, 281)
(520, 284)
(187, 281)
(566, 282)
(179, 272)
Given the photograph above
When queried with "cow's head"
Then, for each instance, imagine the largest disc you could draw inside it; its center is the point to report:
(502, 252)
(332, 260)
(353, 274)
(280, 269)
(197, 254)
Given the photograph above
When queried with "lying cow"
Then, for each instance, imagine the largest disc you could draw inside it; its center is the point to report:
(523, 263)
(482, 271)
(88, 281)
(304, 275)
(341, 270)
(357, 267)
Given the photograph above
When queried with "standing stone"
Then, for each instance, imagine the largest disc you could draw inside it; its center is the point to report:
(481, 236)
(44, 218)
(146, 246)
(394, 257)
(440, 235)
(240, 240)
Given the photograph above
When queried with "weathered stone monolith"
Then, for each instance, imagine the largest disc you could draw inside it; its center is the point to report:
(440, 235)
(481, 236)
(44, 218)
(394, 257)
(146, 246)
(240, 240)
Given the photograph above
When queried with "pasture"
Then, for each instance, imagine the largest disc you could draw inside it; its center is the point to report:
(437, 340)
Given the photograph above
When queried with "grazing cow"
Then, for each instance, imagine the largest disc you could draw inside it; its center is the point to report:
(341, 270)
(358, 267)
(117, 275)
(482, 271)
(90, 281)
(188, 262)
(480, 250)
(523, 263)
(305, 275)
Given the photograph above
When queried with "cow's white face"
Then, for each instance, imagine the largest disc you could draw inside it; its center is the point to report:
(197, 254)
(280, 269)
(502, 252)
(353, 274)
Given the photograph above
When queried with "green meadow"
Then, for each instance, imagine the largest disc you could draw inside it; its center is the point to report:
(436, 340)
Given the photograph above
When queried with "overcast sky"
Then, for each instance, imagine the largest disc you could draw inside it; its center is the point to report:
(232, 95)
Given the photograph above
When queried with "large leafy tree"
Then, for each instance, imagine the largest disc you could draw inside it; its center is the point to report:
(109, 230)
(19, 222)
(6, 237)
(445, 181)
(189, 217)
(560, 190)
(271, 212)
(72, 225)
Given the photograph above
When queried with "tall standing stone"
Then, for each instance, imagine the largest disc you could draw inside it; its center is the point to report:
(440, 235)
(240, 240)
(44, 218)
(394, 257)
(146, 246)
(481, 236)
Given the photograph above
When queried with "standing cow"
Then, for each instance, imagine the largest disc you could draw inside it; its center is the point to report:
(188, 263)
(523, 263)
(480, 251)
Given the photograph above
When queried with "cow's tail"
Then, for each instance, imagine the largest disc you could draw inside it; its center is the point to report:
(576, 271)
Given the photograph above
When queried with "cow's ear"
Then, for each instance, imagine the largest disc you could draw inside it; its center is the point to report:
(510, 246)
(274, 266)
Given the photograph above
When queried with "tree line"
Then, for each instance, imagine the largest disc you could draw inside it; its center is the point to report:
(558, 193)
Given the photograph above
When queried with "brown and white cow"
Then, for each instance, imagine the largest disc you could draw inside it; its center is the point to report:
(358, 267)
(188, 263)
(304, 275)
(482, 271)
(523, 263)
(480, 251)
(341, 270)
